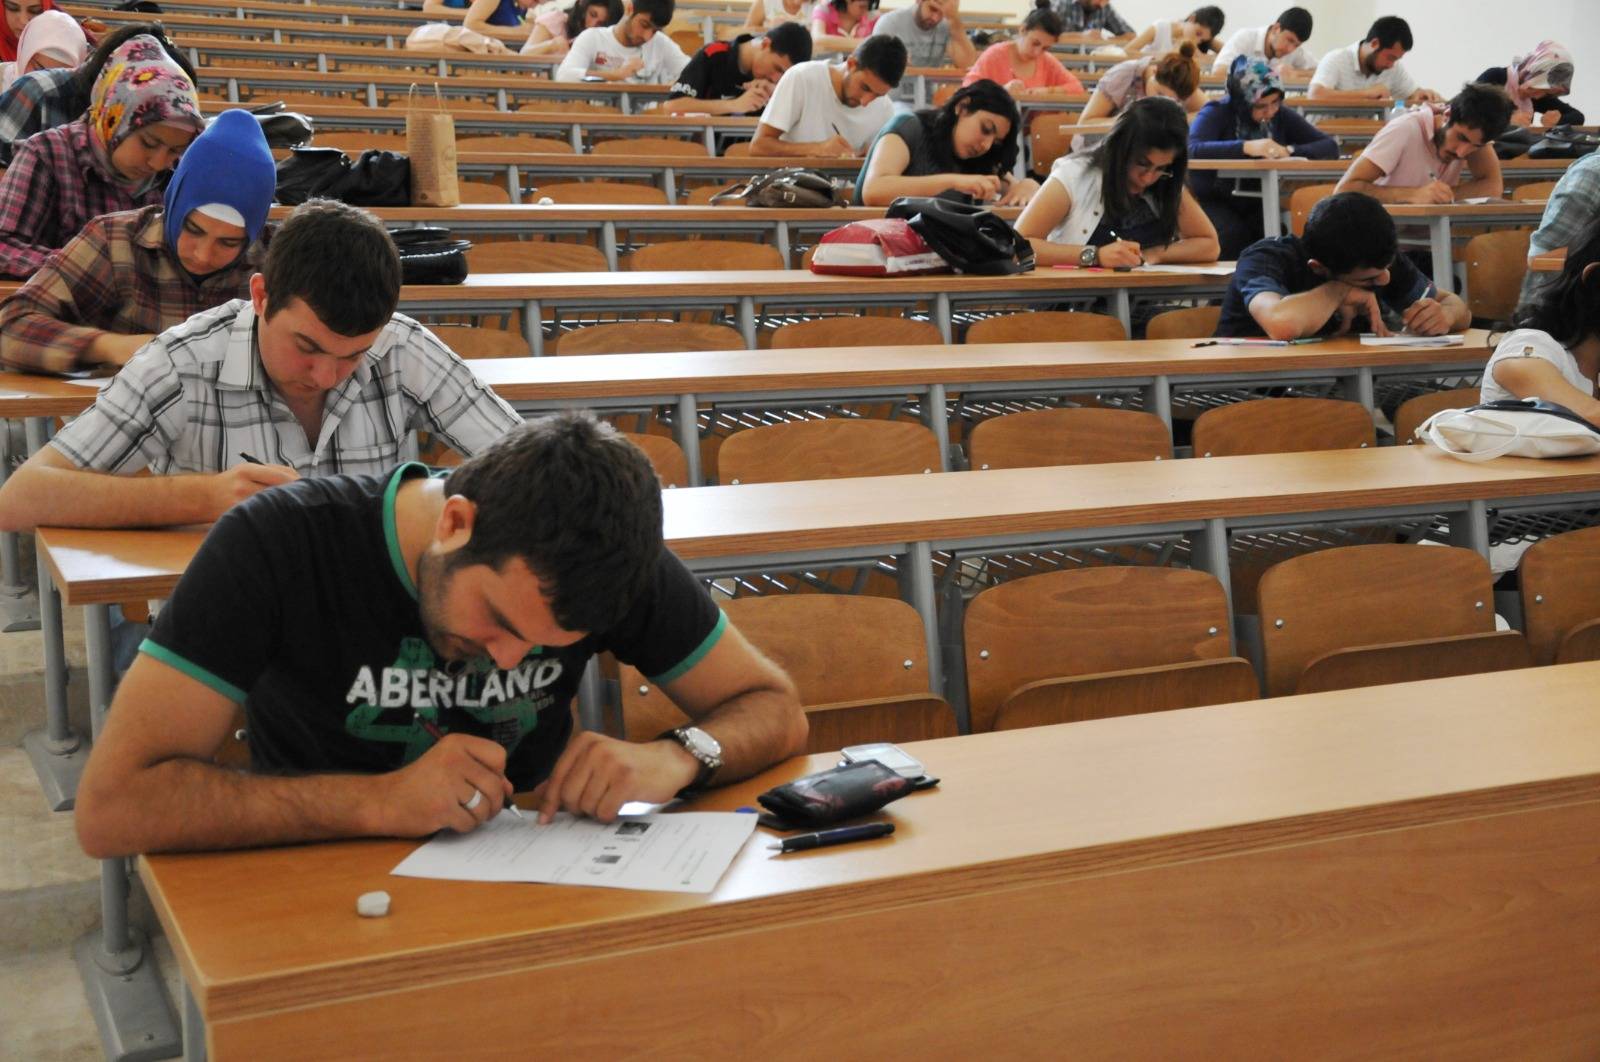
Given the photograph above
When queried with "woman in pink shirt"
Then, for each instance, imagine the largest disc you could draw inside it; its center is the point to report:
(1024, 66)
(840, 25)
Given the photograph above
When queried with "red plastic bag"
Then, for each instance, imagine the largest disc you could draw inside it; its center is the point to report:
(880, 247)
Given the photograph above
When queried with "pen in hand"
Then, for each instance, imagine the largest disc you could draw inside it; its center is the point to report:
(438, 735)
(251, 460)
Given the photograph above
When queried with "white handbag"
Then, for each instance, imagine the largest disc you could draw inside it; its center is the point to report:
(1528, 427)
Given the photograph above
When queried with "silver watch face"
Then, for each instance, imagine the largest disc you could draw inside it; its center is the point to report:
(701, 745)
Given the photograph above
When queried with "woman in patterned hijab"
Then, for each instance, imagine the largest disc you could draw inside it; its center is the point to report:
(143, 112)
(1536, 82)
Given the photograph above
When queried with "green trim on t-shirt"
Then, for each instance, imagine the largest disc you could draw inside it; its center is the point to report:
(193, 670)
(695, 657)
(390, 534)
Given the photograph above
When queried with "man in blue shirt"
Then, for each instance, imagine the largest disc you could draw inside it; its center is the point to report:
(1342, 276)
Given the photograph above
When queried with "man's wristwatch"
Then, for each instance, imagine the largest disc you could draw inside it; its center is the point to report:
(1089, 257)
(704, 748)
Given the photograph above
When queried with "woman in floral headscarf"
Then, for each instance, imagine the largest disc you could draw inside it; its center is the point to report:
(1536, 82)
(142, 113)
(1249, 122)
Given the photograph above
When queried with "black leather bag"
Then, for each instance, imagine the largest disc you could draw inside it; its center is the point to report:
(1564, 142)
(308, 172)
(282, 127)
(1515, 142)
(791, 187)
(973, 239)
(376, 178)
(430, 255)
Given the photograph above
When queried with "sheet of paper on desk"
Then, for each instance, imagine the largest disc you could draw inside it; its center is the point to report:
(1477, 200)
(1368, 339)
(1221, 269)
(96, 382)
(685, 852)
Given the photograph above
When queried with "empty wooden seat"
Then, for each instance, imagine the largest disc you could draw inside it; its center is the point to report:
(470, 342)
(703, 255)
(1497, 262)
(860, 665)
(598, 193)
(665, 455)
(552, 106)
(1415, 660)
(355, 143)
(1413, 411)
(857, 332)
(1373, 598)
(647, 337)
(1091, 621)
(1301, 200)
(1282, 426)
(1533, 192)
(1046, 326)
(1560, 587)
(647, 145)
(1191, 322)
(483, 192)
(1192, 684)
(827, 449)
(535, 256)
(518, 142)
(1041, 437)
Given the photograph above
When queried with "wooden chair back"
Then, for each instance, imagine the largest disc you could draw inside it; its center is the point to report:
(1413, 411)
(1533, 192)
(739, 149)
(1282, 426)
(1497, 262)
(566, 107)
(1039, 437)
(1356, 596)
(942, 94)
(526, 142)
(688, 40)
(1046, 326)
(452, 103)
(470, 342)
(1191, 322)
(1087, 621)
(666, 457)
(1415, 660)
(703, 255)
(1049, 137)
(598, 193)
(535, 256)
(834, 448)
(1191, 684)
(860, 666)
(484, 192)
(648, 337)
(702, 195)
(1581, 644)
(647, 145)
(867, 331)
(1560, 586)
(1301, 200)
(354, 143)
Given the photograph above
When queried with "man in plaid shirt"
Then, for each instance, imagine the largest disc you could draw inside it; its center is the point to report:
(314, 374)
(1079, 16)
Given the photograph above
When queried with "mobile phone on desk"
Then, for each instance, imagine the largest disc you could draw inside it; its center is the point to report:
(891, 756)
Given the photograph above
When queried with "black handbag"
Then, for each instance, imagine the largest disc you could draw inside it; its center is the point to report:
(791, 187)
(308, 172)
(973, 239)
(281, 126)
(430, 255)
(1564, 142)
(1515, 142)
(376, 178)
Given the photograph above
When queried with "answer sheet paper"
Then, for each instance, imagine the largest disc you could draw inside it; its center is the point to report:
(684, 852)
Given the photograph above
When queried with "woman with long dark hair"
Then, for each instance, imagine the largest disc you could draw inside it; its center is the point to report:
(554, 31)
(1124, 203)
(1553, 353)
(964, 150)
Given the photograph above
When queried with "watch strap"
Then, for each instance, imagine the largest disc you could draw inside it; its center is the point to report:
(702, 777)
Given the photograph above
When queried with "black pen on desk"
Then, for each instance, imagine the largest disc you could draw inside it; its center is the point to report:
(826, 838)
(438, 735)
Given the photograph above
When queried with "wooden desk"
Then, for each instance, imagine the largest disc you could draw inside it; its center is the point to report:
(666, 171)
(1285, 878)
(1440, 217)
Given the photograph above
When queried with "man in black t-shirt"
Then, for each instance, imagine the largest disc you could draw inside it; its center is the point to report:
(407, 647)
(1342, 276)
(737, 77)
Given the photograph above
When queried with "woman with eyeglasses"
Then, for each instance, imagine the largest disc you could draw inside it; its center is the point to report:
(1124, 203)
(1250, 122)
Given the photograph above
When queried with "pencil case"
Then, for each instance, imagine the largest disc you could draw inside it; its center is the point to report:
(835, 795)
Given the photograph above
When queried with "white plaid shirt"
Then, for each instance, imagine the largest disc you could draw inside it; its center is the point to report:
(197, 396)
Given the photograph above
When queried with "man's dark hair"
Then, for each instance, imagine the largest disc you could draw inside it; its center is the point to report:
(790, 40)
(339, 261)
(1389, 31)
(1210, 16)
(578, 16)
(1350, 231)
(1297, 20)
(660, 11)
(578, 503)
(1567, 304)
(1485, 108)
(1152, 123)
(884, 55)
(84, 77)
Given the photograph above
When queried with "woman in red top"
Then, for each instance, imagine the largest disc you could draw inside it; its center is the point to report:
(1025, 65)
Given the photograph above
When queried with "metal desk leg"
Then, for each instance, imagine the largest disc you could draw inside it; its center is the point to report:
(669, 185)
(194, 1028)
(1471, 528)
(514, 183)
(687, 429)
(575, 138)
(591, 699)
(1122, 307)
(372, 95)
(920, 95)
(937, 418)
(1210, 554)
(120, 976)
(711, 140)
(747, 319)
(608, 243)
(781, 239)
(233, 90)
(11, 584)
(501, 102)
(622, 101)
(533, 326)
(1443, 263)
(1158, 399)
(941, 316)
(1358, 388)
(1271, 207)
(916, 581)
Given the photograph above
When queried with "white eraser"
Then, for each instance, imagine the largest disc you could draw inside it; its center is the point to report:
(547, 201)
(372, 904)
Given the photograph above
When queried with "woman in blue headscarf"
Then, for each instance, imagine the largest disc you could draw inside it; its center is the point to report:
(1250, 122)
(130, 275)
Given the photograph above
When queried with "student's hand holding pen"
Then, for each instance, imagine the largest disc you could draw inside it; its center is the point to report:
(456, 785)
(241, 481)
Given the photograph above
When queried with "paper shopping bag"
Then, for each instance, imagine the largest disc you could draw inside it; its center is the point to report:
(431, 146)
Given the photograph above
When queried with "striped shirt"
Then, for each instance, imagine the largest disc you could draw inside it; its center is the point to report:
(52, 189)
(198, 395)
(1079, 19)
(117, 275)
(35, 102)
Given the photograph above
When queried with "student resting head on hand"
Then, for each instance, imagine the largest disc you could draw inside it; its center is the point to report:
(964, 150)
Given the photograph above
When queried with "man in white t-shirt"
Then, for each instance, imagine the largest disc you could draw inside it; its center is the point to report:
(1421, 156)
(632, 50)
(1370, 69)
(819, 109)
(1280, 44)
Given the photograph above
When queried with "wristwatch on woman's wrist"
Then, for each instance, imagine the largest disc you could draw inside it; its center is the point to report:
(1088, 257)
